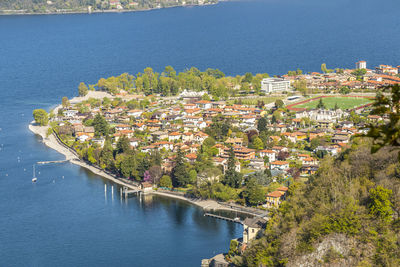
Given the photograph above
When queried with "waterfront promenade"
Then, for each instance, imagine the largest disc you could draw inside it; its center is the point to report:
(71, 156)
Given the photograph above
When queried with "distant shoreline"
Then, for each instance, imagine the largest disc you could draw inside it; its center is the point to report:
(16, 13)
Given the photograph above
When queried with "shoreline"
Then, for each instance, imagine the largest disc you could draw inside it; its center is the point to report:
(52, 142)
(2, 13)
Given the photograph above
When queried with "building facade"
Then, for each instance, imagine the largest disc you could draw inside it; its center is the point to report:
(361, 65)
(269, 85)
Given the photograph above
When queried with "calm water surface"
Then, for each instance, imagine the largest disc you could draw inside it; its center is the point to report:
(70, 221)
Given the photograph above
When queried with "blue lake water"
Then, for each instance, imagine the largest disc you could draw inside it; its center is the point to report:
(70, 221)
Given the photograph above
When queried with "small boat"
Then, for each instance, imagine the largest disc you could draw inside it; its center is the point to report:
(34, 179)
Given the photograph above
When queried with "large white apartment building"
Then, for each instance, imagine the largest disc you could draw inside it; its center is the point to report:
(269, 85)
(361, 65)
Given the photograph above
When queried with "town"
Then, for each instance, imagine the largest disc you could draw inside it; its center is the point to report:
(241, 140)
(207, 147)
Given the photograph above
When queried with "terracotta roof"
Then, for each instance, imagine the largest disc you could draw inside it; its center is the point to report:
(278, 162)
(276, 194)
(283, 189)
(191, 156)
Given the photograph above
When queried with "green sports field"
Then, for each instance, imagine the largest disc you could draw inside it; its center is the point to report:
(342, 102)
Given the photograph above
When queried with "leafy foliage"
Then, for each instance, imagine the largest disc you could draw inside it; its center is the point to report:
(354, 196)
(41, 117)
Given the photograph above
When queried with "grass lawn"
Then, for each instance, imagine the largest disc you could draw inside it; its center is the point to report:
(253, 101)
(342, 102)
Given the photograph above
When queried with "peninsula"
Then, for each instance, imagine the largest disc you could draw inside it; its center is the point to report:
(29, 7)
(284, 149)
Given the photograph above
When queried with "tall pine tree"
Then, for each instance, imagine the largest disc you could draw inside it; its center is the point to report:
(180, 176)
(100, 125)
(232, 177)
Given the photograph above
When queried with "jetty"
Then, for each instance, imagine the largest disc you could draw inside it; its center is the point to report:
(52, 161)
(236, 220)
(126, 191)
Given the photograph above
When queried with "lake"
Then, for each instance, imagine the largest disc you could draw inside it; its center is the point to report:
(66, 219)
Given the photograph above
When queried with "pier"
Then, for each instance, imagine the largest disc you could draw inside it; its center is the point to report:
(126, 191)
(236, 220)
(52, 161)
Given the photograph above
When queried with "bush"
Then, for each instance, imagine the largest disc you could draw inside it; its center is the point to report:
(166, 181)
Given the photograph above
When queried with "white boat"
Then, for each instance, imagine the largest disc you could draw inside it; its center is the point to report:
(34, 179)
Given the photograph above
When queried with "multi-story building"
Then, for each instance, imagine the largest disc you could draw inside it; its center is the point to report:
(269, 85)
(386, 69)
(361, 65)
(241, 152)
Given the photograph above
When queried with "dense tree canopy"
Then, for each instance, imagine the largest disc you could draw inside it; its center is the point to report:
(41, 117)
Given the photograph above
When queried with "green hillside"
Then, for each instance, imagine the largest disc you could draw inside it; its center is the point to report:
(348, 214)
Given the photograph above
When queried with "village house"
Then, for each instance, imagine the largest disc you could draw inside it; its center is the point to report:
(140, 126)
(203, 104)
(333, 150)
(256, 164)
(279, 165)
(274, 199)
(159, 135)
(325, 124)
(321, 114)
(121, 127)
(309, 161)
(70, 113)
(134, 113)
(241, 152)
(268, 153)
(289, 136)
(191, 157)
(234, 141)
(82, 137)
(147, 187)
(189, 106)
(200, 137)
(187, 137)
(164, 145)
(174, 136)
(252, 228)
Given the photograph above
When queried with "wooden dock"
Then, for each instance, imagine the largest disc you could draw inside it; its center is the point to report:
(236, 220)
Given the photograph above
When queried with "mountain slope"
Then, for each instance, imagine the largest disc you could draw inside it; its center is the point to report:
(347, 215)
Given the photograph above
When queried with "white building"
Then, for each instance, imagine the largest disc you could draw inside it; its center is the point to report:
(268, 153)
(279, 165)
(269, 85)
(70, 113)
(321, 114)
(361, 65)
(386, 69)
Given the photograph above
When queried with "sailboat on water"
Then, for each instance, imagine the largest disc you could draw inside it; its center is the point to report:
(34, 179)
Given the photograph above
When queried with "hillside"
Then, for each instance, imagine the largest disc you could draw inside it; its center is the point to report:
(347, 215)
(64, 6)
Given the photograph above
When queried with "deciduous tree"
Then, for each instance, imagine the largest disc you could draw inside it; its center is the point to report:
(41, 117)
